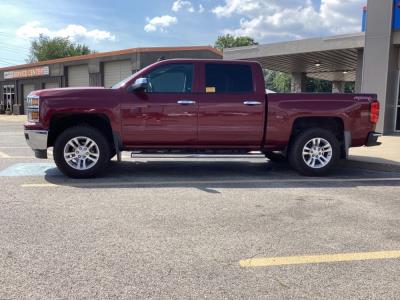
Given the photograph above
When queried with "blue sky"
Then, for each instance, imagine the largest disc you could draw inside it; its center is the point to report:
(113, 25)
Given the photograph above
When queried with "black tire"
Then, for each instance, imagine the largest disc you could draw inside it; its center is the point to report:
(112, 153)
(275, 156)
(295, 155)
(82, 131)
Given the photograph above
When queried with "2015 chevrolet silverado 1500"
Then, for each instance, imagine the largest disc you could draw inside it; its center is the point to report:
(186, 105)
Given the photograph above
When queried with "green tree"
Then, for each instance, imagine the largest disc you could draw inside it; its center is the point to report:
(282, 82)
(318, 86)
(230, 41)
(277, 81)
(46, 48)
(350, 87)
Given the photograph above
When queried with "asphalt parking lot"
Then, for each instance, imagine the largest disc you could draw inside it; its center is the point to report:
(193, 227)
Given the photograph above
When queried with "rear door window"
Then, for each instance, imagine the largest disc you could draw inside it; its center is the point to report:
(229, 78)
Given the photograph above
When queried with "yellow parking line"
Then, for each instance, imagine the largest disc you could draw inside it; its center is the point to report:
(194, 182)
(316, 259)
(3, 155)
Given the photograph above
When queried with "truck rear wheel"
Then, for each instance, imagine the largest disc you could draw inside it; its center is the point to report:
(81, 152)
(314, 152)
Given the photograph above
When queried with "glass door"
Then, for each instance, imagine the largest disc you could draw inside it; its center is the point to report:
(8, 96)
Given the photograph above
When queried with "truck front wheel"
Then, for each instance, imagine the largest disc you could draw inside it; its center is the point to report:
(314, 152)
(81, 152)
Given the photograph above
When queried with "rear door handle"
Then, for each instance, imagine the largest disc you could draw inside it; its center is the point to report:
(252, 103)
(186, 102)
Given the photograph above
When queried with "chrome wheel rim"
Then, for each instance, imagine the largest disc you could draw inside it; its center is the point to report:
(81, 153)
(317, 153)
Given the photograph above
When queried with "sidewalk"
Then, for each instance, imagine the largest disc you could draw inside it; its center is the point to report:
(385, 157)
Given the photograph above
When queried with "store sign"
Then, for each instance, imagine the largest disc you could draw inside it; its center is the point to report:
(31, 72)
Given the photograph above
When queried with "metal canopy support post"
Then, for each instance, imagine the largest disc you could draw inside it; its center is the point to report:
(298, 82)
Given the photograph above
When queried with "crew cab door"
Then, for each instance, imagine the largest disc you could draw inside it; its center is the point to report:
(232, 105)
(166, 113)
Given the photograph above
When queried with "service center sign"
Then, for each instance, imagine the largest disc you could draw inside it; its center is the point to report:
(31, 72)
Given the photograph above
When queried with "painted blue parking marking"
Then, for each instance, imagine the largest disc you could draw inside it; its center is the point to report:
(30, 169)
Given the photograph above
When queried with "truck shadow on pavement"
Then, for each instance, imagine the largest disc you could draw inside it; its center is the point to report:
(227, 174)
(375, 163)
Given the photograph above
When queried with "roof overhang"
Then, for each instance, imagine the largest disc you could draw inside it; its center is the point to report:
(337, 55)
(113, 53)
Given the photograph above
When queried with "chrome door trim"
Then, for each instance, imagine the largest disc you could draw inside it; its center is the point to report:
(251, 103)
(186, 102)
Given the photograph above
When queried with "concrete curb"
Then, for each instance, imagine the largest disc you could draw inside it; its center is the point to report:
(373, 166)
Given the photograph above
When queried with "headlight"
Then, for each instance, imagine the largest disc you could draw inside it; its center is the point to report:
(33, 103)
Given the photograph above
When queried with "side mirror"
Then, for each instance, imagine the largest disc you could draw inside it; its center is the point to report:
(139, 85)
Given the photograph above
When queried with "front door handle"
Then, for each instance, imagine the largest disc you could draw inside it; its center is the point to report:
(252, 103)
(186, 102)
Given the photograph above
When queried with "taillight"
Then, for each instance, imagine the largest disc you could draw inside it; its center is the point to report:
(374, 112)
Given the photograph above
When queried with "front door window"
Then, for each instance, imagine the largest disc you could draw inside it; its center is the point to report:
(173, 78)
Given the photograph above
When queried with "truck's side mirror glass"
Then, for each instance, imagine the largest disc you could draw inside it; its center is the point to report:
(140, 84)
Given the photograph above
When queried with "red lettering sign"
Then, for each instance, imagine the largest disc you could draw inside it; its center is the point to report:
(23, 73)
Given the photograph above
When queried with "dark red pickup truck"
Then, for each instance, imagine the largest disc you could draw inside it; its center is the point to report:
(206, 106)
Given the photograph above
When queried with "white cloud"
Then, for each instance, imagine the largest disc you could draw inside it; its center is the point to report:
(34, 29)
(201, 8)
(160, 23)
(292, 19)
(182, 4)
(79, 30)
(256, 28)
(237, 7)
(342, 16)
(179, 5)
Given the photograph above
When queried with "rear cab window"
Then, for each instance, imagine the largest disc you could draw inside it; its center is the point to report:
(228, 78)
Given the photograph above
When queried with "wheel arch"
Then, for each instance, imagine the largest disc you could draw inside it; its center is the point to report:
(59, 123)
(335, 125)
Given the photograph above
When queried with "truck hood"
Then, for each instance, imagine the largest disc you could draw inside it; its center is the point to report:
(66, 91)
(77, 94)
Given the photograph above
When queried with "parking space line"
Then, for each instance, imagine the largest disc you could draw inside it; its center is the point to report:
(9, 133)
(33, 185)
(15, 157)
(211, 182)
(14, 147)
(316, 259)
(3, 155)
